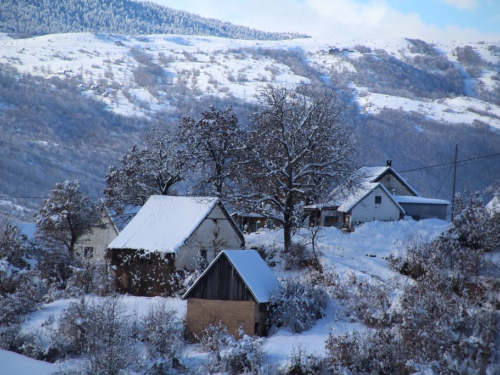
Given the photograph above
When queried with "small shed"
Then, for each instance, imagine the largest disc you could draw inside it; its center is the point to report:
(235, 290)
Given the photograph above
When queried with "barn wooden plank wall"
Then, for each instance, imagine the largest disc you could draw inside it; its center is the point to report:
(222, 282)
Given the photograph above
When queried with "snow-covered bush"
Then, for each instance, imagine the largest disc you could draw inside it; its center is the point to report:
(163, 337)
(371, 352)
(103, 333)
(243, 356)
(369, 302)
(74, 324)
(410, 261)
(302, 363)
(297, 256)
(230, 355)
(90, 277)
(297, 305)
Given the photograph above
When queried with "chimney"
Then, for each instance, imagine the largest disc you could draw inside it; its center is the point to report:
(389, 163)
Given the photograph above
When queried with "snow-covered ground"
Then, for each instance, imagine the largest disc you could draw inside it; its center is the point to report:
(361, 253)
(220, 66)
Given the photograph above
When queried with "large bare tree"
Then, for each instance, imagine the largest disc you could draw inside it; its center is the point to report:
(299, 145)
(67, 215)
(213, 143)
(151, 170)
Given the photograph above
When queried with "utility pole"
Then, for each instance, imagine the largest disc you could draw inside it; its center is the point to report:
(454, 181)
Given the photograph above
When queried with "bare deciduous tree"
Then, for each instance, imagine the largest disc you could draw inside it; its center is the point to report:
(212, 143)
(154, 169)
(66, 215)
(298, 145)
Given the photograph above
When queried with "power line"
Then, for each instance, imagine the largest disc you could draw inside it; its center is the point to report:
(451, 163)
(477, 158)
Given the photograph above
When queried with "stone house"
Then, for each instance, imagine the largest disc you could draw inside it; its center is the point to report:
(170, 234)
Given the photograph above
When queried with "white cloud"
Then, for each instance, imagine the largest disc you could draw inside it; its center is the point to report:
(327, 18)
(462, 4)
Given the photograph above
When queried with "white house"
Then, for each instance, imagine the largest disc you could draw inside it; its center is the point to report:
(382, 195)
(94, 244)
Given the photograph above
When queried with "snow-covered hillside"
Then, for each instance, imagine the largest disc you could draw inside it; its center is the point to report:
(360, 254)
(218, 66)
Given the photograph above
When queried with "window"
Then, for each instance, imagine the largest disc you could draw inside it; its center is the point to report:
(88, 252)
(331, 221)
(378, 199)
(203, 254)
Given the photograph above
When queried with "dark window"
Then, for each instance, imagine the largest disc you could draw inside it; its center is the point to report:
(88, 252)
(378, 199)
(203, 254)
(331, 221)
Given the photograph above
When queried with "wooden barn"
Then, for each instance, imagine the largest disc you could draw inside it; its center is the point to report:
(170, 234)
(235, 290)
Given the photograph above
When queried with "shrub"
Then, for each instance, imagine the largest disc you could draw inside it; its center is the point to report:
(101, 331)
(297, 305)
(302, 363)
(225, 353)
(372, 352)
(163, 336)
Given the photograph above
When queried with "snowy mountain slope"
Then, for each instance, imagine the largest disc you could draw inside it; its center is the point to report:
(219, 66)
(140, 77)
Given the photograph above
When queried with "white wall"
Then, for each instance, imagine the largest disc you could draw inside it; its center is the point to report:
(214, 234)
(98, 239)
(367, 210)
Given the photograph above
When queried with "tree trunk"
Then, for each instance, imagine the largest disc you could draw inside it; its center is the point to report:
(287, 227)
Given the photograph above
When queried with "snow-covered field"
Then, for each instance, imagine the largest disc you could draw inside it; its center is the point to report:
(361, 253)
(219, 66)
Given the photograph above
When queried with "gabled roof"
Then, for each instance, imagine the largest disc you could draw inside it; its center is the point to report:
(252, 269)
(164, 223)
(107, 214)
(375, 174)
(353, 199)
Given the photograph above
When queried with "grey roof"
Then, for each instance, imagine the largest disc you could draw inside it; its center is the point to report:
(252, 269)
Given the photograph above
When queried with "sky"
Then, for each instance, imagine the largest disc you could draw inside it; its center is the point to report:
(466, 20)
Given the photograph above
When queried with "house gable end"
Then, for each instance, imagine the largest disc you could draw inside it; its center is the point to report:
(393, 181)
(221, 281)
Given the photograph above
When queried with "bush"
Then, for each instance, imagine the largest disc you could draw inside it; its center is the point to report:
(297, 256)
(370, 303)
(297, 305)
(373, 352)
(101, 331)
(225, 353)
(163, 335)
(302, 363)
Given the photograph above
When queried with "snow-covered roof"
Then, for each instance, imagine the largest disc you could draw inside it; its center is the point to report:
(250, 214)
(164, 223)
(418, 200)
(366, 188)
(252, 269)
